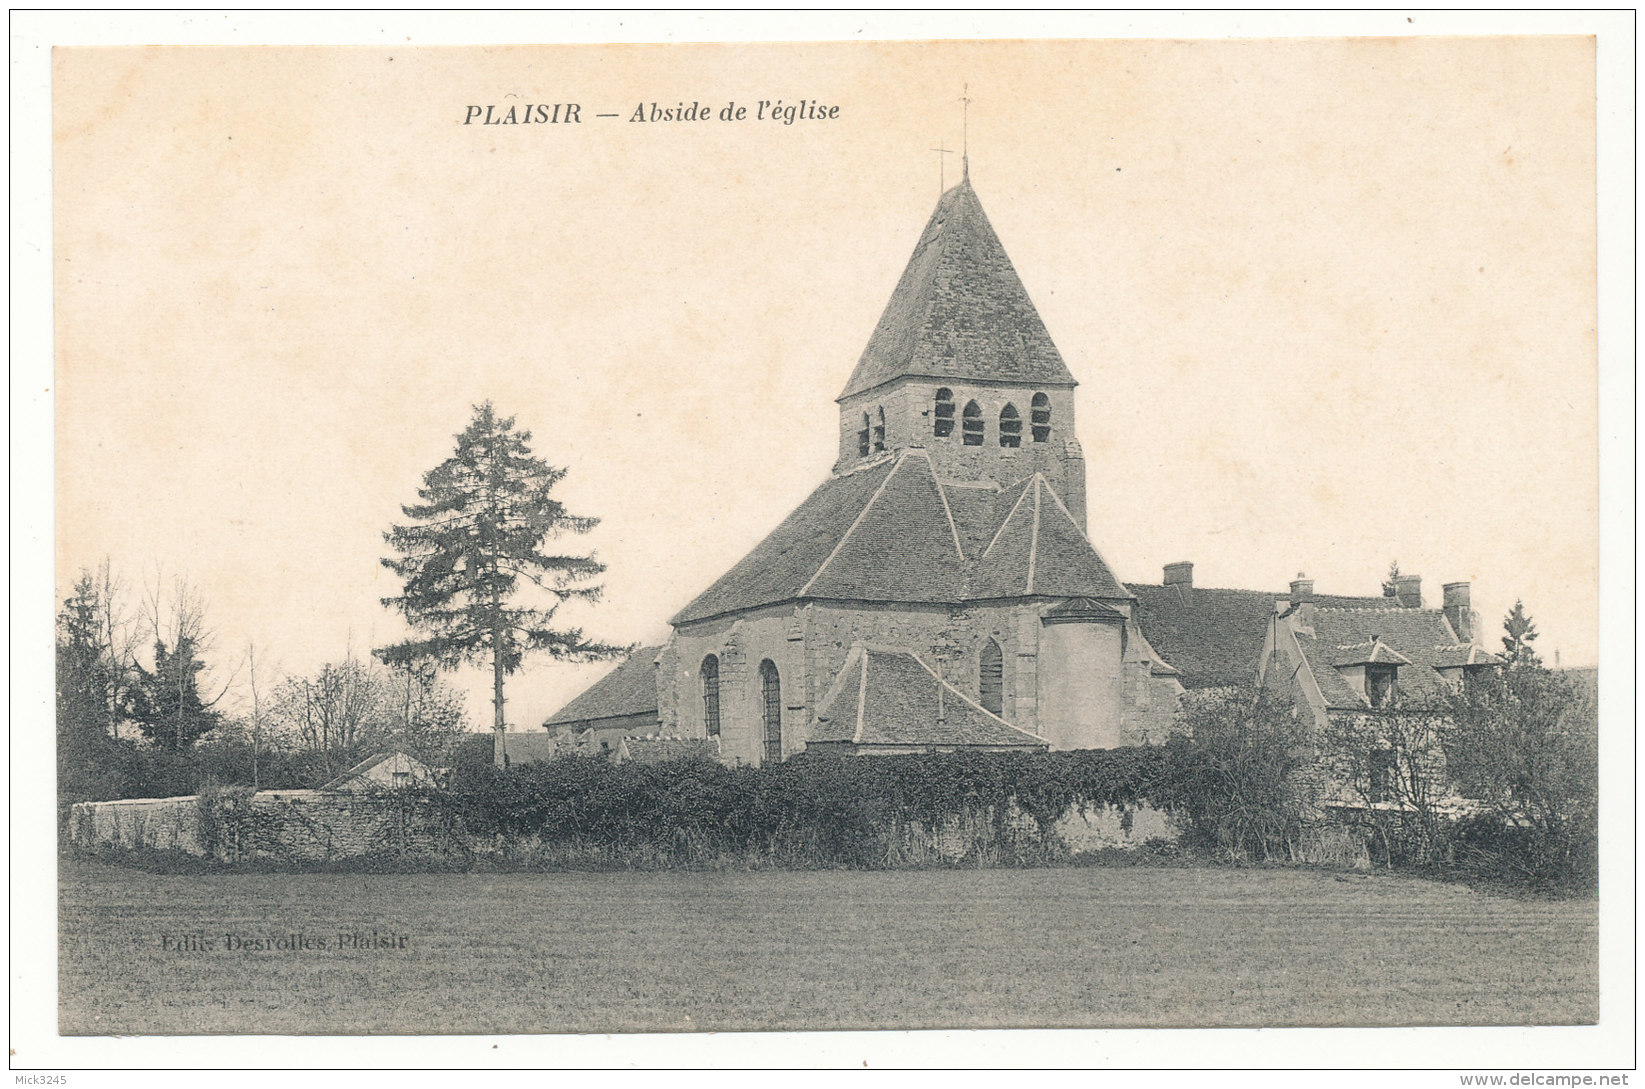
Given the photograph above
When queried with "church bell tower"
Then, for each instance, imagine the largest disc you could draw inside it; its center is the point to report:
(961, 365)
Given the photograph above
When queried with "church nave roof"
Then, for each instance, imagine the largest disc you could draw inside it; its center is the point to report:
(893, 533)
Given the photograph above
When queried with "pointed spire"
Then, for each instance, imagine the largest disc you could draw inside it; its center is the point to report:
(960, 311)
(965, 134)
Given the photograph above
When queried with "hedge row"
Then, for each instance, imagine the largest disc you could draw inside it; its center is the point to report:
(813, 810)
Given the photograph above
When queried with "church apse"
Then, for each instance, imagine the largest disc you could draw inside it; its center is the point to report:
(948, 549)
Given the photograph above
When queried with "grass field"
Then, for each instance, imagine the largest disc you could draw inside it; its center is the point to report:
(578, 952)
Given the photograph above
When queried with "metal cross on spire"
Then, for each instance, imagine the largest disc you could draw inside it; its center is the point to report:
(942, 178)
(965, 131)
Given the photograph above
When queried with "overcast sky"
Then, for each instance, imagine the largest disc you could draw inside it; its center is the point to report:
(1330, 304)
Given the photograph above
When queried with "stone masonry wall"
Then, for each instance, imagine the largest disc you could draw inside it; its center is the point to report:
(162, 824)
(297, 825)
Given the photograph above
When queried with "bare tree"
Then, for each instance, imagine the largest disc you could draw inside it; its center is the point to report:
(169, 704)
(1391, 764)
(340, 709)
(119, 635)
(256, 719)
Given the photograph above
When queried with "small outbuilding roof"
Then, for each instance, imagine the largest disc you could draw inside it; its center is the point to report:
(629, 689)
(360, 774)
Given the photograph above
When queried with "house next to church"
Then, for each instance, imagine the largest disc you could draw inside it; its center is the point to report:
(941, 590)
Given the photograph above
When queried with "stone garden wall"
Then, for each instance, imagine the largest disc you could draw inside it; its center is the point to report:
(296, 825)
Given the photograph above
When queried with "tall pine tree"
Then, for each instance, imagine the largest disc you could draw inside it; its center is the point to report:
(477, 535)
(166, 703)
(1521, 632)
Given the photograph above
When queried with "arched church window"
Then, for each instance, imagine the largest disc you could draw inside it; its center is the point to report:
(1039, 416)
(942, 422)
(879, 431)
(862, 437)
(711, 695)
(992, 678)
(1010, 427)
(972, 421)
(771, 703)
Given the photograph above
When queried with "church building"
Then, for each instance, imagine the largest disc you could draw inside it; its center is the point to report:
(940, 589)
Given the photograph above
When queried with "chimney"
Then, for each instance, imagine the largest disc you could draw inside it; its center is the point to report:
(1302, 589)
(1408, 591)
(1181, 576)
(1458, 598)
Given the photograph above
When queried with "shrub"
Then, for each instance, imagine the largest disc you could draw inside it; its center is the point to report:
(810, 811)
(1525, 745)
(1235, 771)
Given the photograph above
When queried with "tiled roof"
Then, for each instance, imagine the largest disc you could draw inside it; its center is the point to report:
(1085, 608)
(960, 311)
(902, 547)
(358, 772)
(1463, 654)
(1214, 637)
(893, 533)
(528, 746)
(779, 566)
(978, 510)
(1063, 561)
(1375, 652)
(1422, 636)
(630, 689)
(883, 696)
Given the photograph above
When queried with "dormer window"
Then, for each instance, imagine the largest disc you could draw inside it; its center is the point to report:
(942, 418)
(862, 438)
(879, 431)
(972, 420)
(1039, 417)
(1010, 427)
(1380, 684)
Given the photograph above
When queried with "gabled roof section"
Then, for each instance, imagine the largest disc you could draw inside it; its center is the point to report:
(1459, 655)
(1420, 637)
(1005, 565)
(975, 513)
(780, 566)
(1215, 636)
(359, 775)
(902, 547)
(960, 311)
(1039, 550)
(888, 697)
(630, 689)
(893, 533)
(1376, 652)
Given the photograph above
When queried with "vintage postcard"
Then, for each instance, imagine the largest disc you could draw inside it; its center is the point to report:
(1073, 532)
